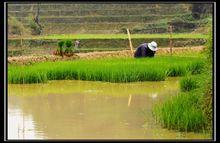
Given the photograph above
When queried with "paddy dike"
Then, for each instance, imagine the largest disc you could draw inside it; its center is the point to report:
(91, 55)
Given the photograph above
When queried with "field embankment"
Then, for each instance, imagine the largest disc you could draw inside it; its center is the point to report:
(190, 51)
(98, 42)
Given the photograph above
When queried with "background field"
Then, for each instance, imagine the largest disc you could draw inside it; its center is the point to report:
(102, 27)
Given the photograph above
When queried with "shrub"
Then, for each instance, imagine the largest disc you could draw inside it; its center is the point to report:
(35, 28)
(16, 27)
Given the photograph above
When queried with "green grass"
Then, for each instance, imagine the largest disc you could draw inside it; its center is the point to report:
(118, 36)
(182, 112)
(191, 109)
(185, 111)
(109, 70)
(191, 82)
(188, 83)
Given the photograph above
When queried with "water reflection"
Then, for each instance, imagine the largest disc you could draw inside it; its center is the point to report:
(89, 110)
(21, 126)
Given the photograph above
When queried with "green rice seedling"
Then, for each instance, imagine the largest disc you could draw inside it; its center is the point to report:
(176, 71)
(182, 112)
(69, 48)
(27, 77)
(188, 83)
(108, 69)
(119, 36)
(196, 67)
(60, 49)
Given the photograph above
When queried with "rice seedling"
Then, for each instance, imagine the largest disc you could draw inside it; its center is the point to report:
(188, 83)
(108, 69)
(182, 112)
(191, 109)
(117, 36)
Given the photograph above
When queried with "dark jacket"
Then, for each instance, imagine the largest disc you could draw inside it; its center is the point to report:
(143, 51)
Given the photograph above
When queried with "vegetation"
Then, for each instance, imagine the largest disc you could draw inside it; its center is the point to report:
(78, 18)
(35, 28)
(65, 48)
(69, 48)
(16, 27)
(191, 109)
(200, 10)
(188, 83)
(97, 42)
(110, 70)
(118, 36)
(182, 112)
(60, 49)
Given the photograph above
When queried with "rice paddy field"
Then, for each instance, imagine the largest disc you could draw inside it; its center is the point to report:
(109, 70)
(188, 111)
(110, 94)
(46, 44)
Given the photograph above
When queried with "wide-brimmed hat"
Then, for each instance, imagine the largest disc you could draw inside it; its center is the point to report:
(153, 46)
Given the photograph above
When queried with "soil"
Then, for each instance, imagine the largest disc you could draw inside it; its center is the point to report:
(91, 55)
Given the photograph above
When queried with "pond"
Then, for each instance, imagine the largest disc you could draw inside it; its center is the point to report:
(72, 109)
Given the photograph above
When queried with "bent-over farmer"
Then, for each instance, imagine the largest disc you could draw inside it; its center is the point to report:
(146, 50)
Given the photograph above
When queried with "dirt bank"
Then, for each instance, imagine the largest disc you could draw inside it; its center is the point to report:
(124, 53)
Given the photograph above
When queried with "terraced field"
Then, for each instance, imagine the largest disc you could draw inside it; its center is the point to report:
(93, 18)
(102, 27)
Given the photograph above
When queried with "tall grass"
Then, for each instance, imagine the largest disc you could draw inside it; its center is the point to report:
(185, 111)
(188, 83)
(182, 112)
(191, 109)
(110, 70)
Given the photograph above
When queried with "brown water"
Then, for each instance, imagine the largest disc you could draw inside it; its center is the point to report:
(89, 110)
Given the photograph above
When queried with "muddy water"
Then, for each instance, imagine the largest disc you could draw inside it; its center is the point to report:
(89, 110)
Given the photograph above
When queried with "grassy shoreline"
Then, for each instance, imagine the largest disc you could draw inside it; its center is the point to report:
(192, 108)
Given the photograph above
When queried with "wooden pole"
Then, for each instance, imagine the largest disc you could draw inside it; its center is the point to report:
(171, 42)
(129, 38)
(21, 42)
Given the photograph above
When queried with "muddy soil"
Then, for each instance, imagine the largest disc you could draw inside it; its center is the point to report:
(91, 55)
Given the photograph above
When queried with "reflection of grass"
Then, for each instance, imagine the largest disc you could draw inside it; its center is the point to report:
(110, 70)
(118, 36)
(65, 87)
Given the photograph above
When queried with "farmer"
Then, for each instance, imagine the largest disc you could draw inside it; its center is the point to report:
(77, 43)
(146, 50)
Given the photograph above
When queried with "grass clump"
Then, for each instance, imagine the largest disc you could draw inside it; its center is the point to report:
(188, 83)
(27, 76)
(182, 112)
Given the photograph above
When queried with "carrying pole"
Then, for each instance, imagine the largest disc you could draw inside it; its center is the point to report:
(129, 38)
